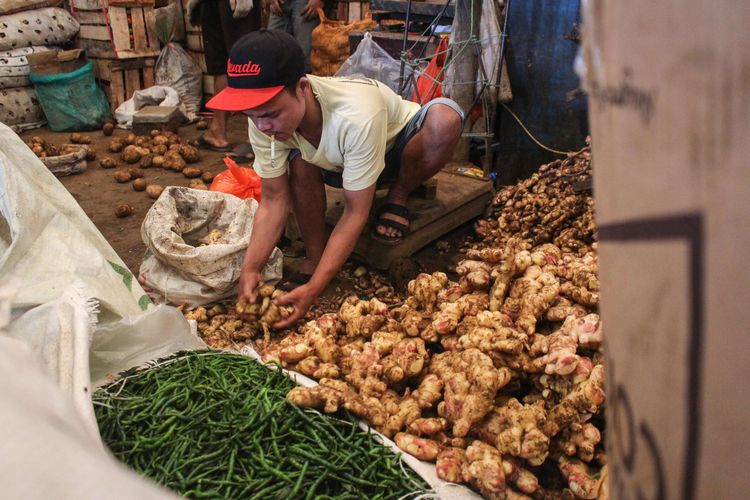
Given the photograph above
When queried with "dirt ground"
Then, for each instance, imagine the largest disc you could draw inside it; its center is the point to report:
(98, 193)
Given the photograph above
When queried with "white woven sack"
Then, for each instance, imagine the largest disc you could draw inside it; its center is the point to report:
(20, 108)
(176, 268)
(47, 26)
(14, 68)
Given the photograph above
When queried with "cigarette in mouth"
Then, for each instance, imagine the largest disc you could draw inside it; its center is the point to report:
(273, 150)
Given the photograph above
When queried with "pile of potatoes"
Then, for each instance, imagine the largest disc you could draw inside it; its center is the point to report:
(46, 149)
(160, 149)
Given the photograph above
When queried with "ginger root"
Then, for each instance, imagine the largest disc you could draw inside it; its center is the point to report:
(421, 448)
(516, 429)
(471, 382)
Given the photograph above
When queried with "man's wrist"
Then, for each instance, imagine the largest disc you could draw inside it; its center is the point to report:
(316, 285)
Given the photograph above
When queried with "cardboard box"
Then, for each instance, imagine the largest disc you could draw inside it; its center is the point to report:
(52, 62)
(668, 103)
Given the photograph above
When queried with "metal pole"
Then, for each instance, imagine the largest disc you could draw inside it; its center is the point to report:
(466, 25)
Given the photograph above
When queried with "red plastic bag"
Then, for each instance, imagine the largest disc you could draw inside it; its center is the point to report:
(239, 181)
(430, 82)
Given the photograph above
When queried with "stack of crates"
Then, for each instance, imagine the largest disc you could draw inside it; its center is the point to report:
(117, 36)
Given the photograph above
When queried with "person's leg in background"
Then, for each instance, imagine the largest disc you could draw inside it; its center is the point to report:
(304, 20)
(281, 19)
(220, 31)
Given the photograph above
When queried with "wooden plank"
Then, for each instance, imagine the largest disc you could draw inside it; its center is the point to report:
(355, 12)
(195, 42)
(88, 4)
(140, 38)
(381, 256)
(117, 86)
(94, 32)
(118, 19)
(148, 77)
(342, 10)
(131, 3)
(101, 68)
(459, 199)
(90, 17)
(132, 82)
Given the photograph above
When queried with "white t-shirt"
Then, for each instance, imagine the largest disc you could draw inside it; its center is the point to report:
(361, 119)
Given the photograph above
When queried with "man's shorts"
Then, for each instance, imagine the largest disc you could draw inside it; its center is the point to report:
(221, 30)
(393, 156)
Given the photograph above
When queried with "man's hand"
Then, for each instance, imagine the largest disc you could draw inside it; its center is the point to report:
(301, 298)
(275, 6)
(240, 8)
(310, 11)
(249, 280)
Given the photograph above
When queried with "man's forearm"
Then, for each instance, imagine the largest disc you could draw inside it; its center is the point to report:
(340, 245)
(267, 228)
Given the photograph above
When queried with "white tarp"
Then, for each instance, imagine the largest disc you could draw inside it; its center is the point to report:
(53, 257)
(48, 451)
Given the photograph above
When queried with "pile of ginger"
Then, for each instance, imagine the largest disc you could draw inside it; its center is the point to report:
(496, 376)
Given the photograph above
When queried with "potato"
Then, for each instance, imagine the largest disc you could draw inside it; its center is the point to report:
(190, 154)
(159, 149)
(123, 210)
(147, 161)
(122, 176)
(77, 138)
(116, 145)
(130, 138)
(154, 190)
(90, 153)
(208, 176)
(155, 132)
(64, 150)
(198, 184)
(131, 154)
(143, 141)
(108, 128)
(191, 172)
(160, 140)
(107, 162)
(37, 140)
(158, 161)
(139, 184)
(201, 125)
(174, 161)
(37, 149)
(135, 172)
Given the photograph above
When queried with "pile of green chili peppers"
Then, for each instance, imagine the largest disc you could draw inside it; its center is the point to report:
(212, 425)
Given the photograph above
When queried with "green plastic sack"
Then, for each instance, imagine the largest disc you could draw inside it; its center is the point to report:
(72, 101)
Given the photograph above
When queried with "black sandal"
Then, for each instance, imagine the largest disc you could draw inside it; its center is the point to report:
(296, 280)
(398, 211)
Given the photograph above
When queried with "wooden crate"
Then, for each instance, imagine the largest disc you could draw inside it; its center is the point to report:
(121, 77)
(115, 32)
(351, 10)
